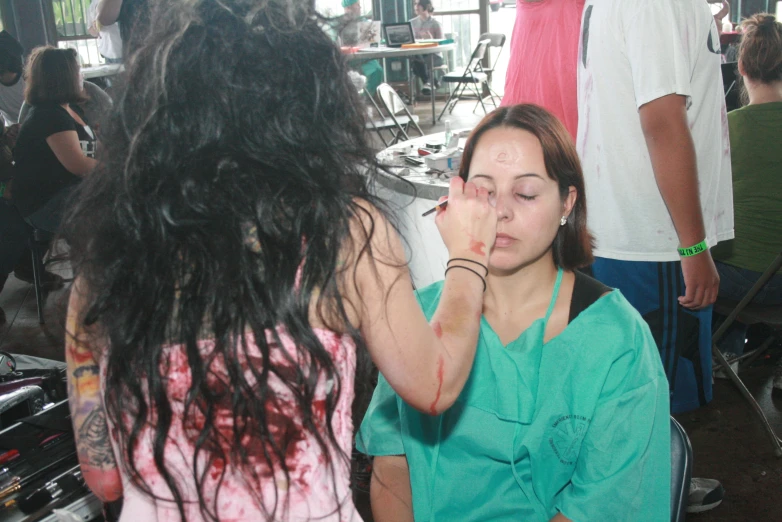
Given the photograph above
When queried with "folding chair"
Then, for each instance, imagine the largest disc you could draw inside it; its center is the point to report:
(394, 105)
(472, 76)
(495, 40)
(751, 314)
(376, 121)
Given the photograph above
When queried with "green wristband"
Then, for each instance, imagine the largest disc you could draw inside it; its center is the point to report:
(694, 250)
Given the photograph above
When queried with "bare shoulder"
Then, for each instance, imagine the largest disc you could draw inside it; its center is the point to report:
(372, 259)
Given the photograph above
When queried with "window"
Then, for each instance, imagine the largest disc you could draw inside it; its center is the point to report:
(70, 18)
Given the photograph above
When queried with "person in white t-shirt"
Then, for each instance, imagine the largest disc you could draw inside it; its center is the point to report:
(653, 140)
(109, 38)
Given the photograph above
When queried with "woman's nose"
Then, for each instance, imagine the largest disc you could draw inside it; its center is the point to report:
(502, 206)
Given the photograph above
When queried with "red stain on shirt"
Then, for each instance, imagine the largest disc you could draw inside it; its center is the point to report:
(440, 374)
(315, 484)
(438, 329)
(478, 247)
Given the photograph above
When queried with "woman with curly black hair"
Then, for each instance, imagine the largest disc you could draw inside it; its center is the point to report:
(234, 273)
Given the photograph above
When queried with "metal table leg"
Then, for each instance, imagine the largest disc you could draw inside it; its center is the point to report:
(431, 80)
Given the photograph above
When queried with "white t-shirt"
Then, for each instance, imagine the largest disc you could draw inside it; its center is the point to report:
(109, 39)
(633, 52)
(11, 100)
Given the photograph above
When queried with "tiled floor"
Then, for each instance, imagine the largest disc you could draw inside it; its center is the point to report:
(727, 441)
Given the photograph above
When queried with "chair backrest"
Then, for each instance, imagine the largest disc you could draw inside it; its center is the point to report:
(477, 57)
(681, 471)
(391, 100)
(495, 40)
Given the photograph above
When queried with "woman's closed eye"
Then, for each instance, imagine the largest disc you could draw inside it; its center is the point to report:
(526, 197)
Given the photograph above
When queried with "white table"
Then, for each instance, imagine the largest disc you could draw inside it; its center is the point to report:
(98, 71)
(410, 197)
(381, 53)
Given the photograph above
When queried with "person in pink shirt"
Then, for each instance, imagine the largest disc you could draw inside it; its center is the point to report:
(222, 326)
(543, 57)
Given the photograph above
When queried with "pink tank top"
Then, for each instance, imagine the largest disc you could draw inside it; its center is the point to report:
(544, 57)
(316, 490)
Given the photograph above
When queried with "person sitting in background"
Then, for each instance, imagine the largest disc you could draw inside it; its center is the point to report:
(425, 27)
(348, 36)
(757, 180)
(14, 254)
(13, 230)
(95, 105)
(233, 274)
(534, 435)
(55, 148)
(12, 84)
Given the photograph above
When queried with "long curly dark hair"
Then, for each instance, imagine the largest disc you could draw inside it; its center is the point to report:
(237, 120)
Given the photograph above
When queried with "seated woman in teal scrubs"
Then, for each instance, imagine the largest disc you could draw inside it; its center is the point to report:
(565, 413)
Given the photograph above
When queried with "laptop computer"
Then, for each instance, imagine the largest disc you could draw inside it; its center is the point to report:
(399, 34)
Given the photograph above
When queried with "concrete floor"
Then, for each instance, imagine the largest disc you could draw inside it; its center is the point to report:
(727, 441)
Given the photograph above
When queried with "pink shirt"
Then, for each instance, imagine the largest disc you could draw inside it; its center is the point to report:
(543, 58)
(314, 486)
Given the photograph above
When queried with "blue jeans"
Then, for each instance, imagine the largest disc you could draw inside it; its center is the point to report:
(682, 336)
(735, 282)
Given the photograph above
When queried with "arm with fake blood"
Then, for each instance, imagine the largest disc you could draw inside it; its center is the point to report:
(88, 415)
(427, 365)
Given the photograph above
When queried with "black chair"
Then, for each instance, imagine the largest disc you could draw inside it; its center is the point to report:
(749, 314)
(472, 76)
(681, 471)
(39, 242)
(731, 86)
(496, 40)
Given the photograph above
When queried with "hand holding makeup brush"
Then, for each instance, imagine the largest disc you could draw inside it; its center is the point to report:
(469, 224)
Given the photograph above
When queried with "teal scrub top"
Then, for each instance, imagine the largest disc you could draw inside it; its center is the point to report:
(579, 425)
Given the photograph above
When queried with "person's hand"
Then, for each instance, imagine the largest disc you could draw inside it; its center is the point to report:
(11, 133)
(468, 224)
(701, 281)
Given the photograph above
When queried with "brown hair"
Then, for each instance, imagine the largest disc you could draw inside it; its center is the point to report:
(52, 76)
(572, 247)
(760, 51)
(426, 5)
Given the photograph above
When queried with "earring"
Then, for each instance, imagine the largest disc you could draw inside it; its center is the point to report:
(562, 221)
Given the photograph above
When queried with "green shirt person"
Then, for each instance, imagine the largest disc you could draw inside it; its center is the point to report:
(349, 37)
(565, 416)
